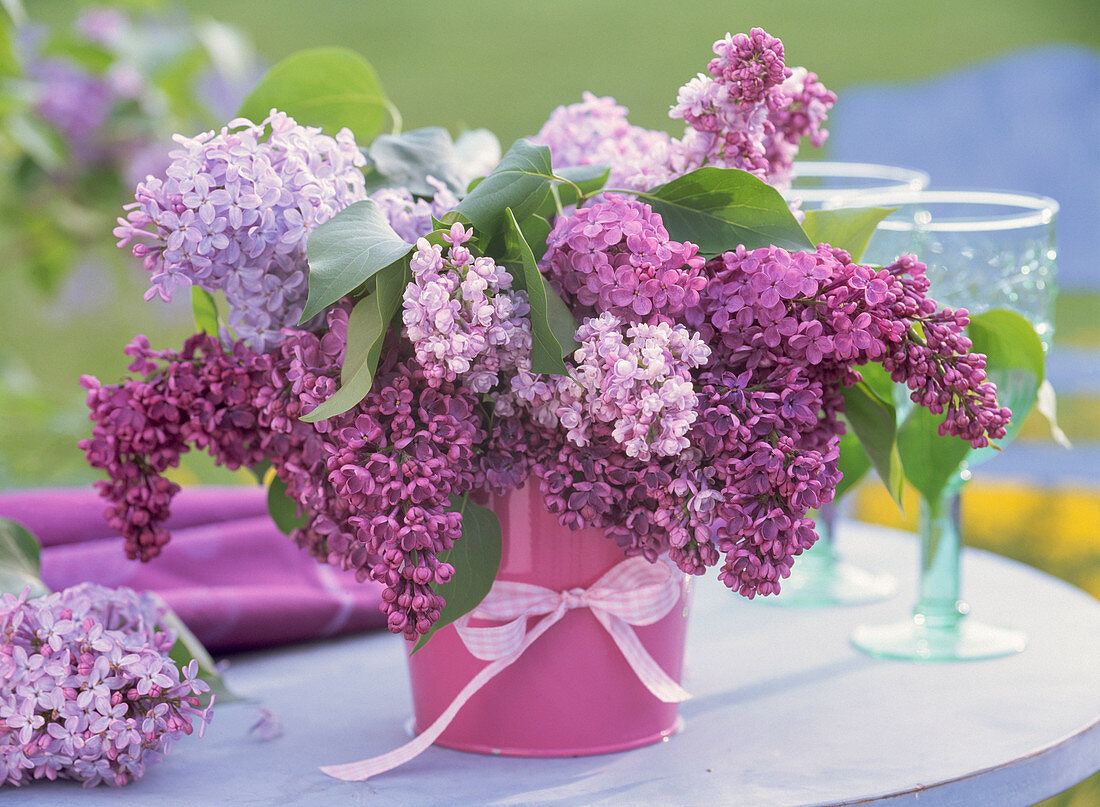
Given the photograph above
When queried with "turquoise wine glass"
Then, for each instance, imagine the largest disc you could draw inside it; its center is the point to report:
(984, 250)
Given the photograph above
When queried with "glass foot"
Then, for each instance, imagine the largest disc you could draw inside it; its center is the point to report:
(966, 641)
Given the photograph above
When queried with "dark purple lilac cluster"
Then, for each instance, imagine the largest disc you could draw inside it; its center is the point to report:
(202, 395)
(757, 404)
(403, 453)
(375, 483)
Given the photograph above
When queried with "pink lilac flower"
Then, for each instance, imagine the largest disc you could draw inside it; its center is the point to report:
(596, 132)
(462, 316)
(232, 214)
(787, 331)
(616, 256)
(749, 110)
(88, 690)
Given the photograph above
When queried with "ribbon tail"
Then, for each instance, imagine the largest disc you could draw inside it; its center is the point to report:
(366, 768)
(649, 672)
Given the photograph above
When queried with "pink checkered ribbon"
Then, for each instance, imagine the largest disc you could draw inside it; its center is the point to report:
(634, 592)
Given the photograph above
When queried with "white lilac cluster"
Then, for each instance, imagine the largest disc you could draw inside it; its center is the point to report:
(462, 316)
(87, 688)
(635, 379)
(232, 214)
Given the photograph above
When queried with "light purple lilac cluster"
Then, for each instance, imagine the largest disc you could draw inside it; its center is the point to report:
(375, 483)
(756, 402)
(233, 212)
(748, 111)
(88, 690)
(410, 216)
(462, 316)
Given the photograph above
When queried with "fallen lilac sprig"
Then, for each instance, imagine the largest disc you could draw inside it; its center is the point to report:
(88, 690)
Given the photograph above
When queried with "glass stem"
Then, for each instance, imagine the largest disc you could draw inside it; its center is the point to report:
(940, 546)
(826, 521)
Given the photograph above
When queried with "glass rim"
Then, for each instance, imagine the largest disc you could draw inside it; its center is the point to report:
(893, 178)
(1031, 210)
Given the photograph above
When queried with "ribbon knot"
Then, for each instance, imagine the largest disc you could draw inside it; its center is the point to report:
(574, 598)
(634, 592)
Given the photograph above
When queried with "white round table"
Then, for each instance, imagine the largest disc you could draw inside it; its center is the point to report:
(785, 712)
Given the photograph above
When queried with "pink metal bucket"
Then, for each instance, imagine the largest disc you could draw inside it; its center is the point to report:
(571, 693)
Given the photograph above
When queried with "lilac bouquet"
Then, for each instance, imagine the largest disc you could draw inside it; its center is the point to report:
(636, 323)
(88, 690)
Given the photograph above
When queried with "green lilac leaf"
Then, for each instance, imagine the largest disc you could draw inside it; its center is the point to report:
(205, 310)
(562, 324)
(283, 509)
(931, 461)
(848, 229)
(536, 230)
(520, 182)
(476, 561)
(346, 251)
(409, 159)
(368, 324)
(719, 208)
(1008, 341)
(1015, 363)
(328, 87)
(552, 324)
(20, 556)
(873, 420)
(853, 464)
(876, 377)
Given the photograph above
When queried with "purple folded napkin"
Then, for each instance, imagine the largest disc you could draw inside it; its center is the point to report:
(228, 571)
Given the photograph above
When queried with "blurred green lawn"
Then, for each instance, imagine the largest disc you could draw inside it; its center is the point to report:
(505, 66)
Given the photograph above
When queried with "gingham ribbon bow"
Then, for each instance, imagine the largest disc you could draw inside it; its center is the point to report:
(634, 592)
